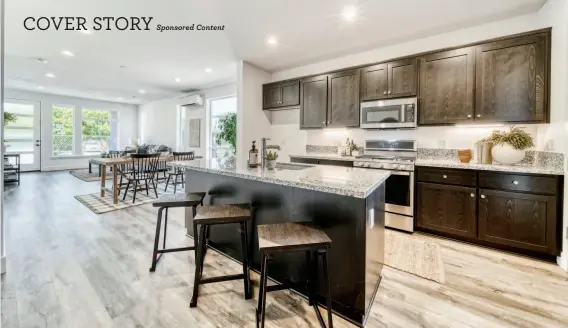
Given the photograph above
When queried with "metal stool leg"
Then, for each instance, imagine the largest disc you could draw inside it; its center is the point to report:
(244, 244)
(328, 290)
(311, 282)
(260, 311)
(198, 268)
(157, 240)
(165, 227)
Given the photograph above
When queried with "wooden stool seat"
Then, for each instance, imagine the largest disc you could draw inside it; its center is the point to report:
(180, 200)
(290, 236)
(220, 214)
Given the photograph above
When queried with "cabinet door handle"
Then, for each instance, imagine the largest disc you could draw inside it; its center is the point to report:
(472, 195)
(385, 93)
(444, 176)
(323, 122)
(515, 182)
(390, 92)
(482, 196)
(478, 115)
(469, 116)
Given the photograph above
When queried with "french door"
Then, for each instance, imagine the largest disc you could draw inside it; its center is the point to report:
(24, 135)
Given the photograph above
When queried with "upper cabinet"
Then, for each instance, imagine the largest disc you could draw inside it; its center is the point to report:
(446, 87)
(389, 80)
(512, 80)
(343, 99)
(281, 94)
(313, 108)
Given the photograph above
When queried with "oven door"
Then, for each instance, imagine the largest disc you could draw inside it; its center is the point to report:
(399, 193)
(388, 114)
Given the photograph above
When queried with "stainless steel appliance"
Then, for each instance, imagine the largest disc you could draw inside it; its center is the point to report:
(398, 157)
(389, 114)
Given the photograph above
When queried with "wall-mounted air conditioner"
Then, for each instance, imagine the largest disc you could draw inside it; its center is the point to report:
(192, 100)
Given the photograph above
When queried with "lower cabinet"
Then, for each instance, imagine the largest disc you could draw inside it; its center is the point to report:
(518, 220)
(498, 210)
(445, 208)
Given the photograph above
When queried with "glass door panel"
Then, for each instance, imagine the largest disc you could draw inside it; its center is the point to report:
(23, 136)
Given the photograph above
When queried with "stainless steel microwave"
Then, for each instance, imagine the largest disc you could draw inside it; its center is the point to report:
(389, 114)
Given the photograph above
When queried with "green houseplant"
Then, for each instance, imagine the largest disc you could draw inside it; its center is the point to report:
(509, 147)
(228, 131)
(271, 158)
(9, 118)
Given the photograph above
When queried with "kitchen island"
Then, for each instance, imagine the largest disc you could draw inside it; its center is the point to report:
(346, 203)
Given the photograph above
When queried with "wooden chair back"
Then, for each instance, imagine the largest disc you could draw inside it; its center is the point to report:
(144, 166)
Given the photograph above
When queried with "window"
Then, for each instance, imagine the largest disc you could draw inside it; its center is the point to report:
(62, 130)
(220, 108)
(98, 131)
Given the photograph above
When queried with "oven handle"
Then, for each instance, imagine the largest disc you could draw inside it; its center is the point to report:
(406, 173)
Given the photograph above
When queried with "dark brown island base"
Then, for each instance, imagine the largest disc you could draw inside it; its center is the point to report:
(346, 203)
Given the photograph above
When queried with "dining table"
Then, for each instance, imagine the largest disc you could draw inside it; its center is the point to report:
(116, 164)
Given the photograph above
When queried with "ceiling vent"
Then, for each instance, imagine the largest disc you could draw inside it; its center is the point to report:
(192, 100)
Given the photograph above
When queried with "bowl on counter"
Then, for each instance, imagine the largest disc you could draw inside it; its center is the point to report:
(465, 155)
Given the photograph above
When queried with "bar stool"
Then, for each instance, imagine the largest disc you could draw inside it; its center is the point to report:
(210, 215)
(292, 237)
(165, 202)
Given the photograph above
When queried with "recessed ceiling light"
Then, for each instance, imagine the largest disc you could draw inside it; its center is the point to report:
(40, 87)
(51, 75)
(272, 40)
(86, 31)
(41, 60)
(349, 13)
(177, 79)
(208, 70)
(142, 91)
(119, 98)
(67, 53)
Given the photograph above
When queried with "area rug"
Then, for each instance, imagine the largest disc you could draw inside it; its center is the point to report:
(409, 254)
(84, 174)
(100, 205)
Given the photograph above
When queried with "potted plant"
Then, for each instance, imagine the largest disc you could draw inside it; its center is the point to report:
(509, 147)
(271, 158)
(228, 131)
(8, 118)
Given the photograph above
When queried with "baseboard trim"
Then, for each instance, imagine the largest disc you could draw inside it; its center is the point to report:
(65, 168)
(562, 260)
(3, 265)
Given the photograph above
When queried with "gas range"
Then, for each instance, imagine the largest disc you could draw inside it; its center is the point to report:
(398, 155)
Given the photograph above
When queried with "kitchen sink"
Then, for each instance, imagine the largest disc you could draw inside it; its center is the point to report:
(294, 167)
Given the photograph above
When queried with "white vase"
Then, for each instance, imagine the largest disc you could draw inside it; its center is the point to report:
(271, 164)
(506, 154)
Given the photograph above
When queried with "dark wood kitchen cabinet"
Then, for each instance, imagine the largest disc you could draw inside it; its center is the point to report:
(447, 87)
(524, 221)
(512, 80)
(510, 211)
(313, 108)
(446, 208)
(343, 99)
(281, 94)
(389, 80)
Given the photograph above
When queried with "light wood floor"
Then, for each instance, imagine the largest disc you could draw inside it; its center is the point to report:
(68, 267)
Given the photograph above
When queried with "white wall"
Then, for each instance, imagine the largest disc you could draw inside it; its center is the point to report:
(127, 124)
(253, 123)
(553, 14)
(2, 242)
(159, 121)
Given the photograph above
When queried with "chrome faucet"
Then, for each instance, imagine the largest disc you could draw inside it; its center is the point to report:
(263, 148)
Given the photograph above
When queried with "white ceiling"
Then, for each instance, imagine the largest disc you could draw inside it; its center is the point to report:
(308, 31)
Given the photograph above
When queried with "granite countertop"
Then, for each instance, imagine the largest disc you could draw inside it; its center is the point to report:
(519, 168)
(332, 157)
(347, 181)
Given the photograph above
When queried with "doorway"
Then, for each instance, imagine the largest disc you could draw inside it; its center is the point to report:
(23, 136)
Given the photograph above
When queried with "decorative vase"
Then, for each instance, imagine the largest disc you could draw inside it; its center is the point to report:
(271, 165)
(506, 154)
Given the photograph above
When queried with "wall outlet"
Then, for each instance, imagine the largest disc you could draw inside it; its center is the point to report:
(549, 145)
(442, 143)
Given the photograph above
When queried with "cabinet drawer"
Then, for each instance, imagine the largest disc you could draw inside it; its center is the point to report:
(519, 182)
(454, 177)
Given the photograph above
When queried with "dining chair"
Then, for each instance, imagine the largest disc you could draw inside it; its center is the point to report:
(143, 169)
(176, 171)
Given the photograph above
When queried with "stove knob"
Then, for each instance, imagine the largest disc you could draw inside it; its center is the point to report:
(367, 164)
(395, 166)
(378, 166)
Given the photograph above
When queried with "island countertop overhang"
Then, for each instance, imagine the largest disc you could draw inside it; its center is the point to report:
(346, 181)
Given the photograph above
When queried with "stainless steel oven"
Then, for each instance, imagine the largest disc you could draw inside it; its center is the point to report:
(398, 157)
(389, 114)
